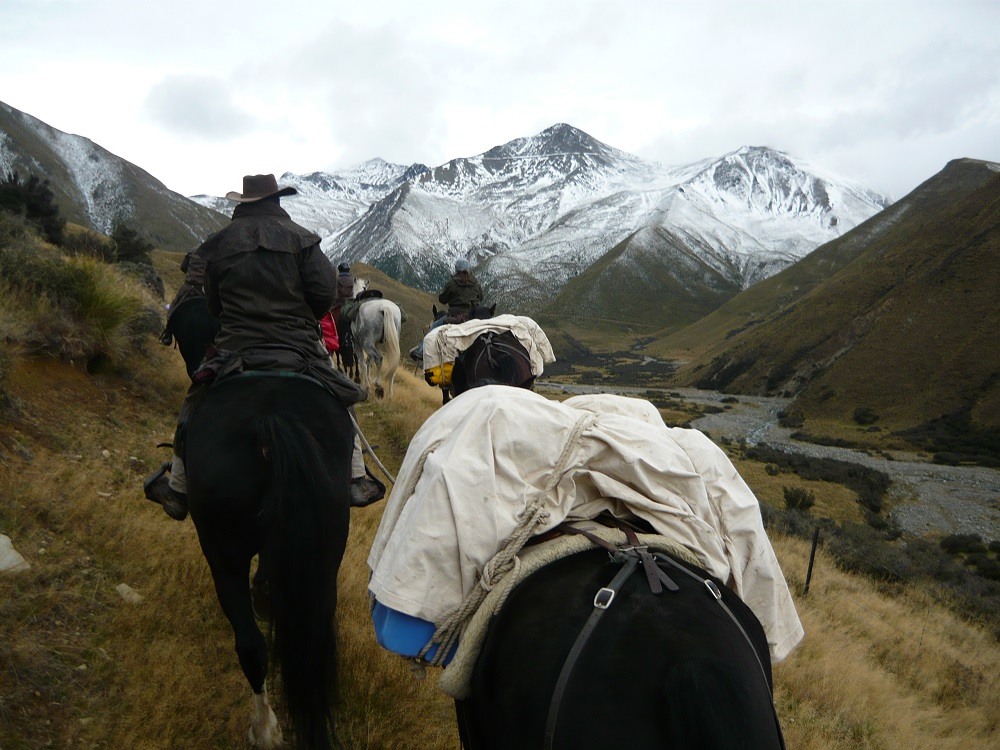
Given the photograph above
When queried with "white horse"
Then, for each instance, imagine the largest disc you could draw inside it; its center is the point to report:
(377, 325)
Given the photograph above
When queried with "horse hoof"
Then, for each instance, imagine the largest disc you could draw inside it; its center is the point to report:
(380, 391)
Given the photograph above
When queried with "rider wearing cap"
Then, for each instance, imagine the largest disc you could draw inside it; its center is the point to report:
(462, 292)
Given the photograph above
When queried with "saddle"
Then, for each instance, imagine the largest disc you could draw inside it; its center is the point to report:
(278, 359)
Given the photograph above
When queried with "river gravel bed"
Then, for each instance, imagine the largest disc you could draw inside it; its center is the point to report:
(927, 498)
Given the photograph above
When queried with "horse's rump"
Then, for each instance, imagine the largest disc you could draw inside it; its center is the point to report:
(493, 359)
(377, 324)
(667, 670)
(268, 463)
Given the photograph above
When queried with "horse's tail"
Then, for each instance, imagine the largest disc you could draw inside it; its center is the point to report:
(303, 555)
(390, 332)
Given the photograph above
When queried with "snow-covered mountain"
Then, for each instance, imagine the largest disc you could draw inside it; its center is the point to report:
(555, 211)
(98, 189)
(329, 201)
(536, 212)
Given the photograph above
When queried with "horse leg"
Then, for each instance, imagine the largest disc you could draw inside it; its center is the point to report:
(374, 357)
(264, 732)
(232, 586)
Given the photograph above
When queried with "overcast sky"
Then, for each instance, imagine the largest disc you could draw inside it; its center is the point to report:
(199, 93)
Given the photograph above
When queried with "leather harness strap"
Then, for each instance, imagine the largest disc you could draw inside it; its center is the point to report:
(631, 556)
(602, 601)
(717, 595)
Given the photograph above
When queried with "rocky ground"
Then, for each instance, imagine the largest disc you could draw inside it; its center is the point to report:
(926, 497)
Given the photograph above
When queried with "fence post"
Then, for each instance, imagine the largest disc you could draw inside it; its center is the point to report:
(812, 558)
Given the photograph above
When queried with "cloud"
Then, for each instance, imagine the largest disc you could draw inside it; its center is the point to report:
(197, 106)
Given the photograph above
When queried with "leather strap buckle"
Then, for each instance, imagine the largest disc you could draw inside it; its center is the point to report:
(603, 598)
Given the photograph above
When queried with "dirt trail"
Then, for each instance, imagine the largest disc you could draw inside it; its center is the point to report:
(926, 497)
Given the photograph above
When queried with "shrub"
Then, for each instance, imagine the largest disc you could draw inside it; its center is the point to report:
(869, 484)
(130, 247)
(989, 568)
(865, 415)
(791, 419)
(968, 544)
(798, 498)
(33, 199)
(146, 275)
(75, 308)
(89, 244)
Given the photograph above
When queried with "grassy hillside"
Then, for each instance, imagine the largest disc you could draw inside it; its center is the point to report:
(898, 319)
(886, 665)
(883, 666)
(647, 282)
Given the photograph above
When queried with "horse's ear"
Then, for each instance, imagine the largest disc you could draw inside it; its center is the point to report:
(493, 310)
(435, 309)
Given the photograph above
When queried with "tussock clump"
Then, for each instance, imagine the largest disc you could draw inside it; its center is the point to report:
(74, 308)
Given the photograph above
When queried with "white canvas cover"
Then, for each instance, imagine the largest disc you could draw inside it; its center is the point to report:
(477, 462)
(444, 343)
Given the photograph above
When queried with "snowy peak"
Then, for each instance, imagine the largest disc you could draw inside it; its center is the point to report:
(769, 182)
(555, 141)
(559, 154)
(368, 181)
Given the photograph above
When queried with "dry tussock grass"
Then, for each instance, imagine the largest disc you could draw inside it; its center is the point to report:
(880, 669)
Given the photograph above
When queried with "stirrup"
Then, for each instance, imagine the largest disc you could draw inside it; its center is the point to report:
(155, 477)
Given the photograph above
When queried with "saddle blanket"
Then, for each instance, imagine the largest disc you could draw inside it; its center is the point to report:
(444, 343)
(474, 467)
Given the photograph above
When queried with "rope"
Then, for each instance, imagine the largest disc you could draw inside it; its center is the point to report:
(505, 561)
(368, 449)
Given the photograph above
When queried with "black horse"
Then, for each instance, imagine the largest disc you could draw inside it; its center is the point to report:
(346, 357)
(667, 670)
(268, 466)
(194, 329)
(493, 359)
(479, 312)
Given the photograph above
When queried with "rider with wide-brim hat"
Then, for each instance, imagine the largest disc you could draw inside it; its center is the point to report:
(268, 283)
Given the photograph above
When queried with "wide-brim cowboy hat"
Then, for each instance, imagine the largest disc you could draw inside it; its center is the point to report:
(257, 187)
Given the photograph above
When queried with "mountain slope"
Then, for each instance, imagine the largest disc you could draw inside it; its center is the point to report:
(326, 202)
(899, 316)
(535, 213)
(97, 189)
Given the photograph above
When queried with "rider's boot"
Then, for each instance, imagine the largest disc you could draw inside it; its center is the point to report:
(157, 488)
(365, 491)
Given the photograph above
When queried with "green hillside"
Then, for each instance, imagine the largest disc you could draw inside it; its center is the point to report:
(648, 281)
(898, 321)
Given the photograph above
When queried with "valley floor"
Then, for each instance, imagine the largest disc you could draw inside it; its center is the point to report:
(926, 497)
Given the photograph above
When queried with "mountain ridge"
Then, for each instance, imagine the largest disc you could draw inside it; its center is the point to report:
(899, 316)
(97, 189)
(533, 213)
